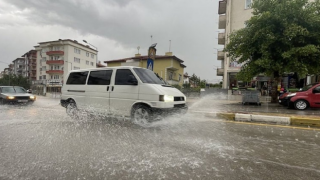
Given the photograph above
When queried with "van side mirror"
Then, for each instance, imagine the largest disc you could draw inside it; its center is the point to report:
(132, 80)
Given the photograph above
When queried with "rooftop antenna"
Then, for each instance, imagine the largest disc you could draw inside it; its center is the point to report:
(169, 45)
(138, 49)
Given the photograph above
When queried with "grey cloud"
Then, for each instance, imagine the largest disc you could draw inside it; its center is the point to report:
(189, 24)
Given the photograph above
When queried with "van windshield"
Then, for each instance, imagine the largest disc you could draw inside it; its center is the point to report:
(148, 76)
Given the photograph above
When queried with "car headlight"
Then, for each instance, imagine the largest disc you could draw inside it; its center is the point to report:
(166, 98)
(10, 97)
(292, 94)
(33, 97)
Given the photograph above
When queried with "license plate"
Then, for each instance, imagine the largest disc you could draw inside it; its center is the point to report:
(22, 100)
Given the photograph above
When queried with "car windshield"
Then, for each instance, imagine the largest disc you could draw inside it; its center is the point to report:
(307, 87)
(13, 90)
(148, 76)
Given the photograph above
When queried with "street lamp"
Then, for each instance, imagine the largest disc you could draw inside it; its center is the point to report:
(94, 47)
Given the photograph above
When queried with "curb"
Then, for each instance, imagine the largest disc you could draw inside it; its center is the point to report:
(292, 120)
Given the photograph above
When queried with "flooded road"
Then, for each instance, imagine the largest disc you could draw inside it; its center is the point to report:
(42, 142)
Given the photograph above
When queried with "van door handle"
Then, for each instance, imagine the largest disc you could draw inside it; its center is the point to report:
(112, 88)
(108, 88)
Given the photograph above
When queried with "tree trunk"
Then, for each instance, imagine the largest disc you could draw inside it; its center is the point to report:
(274, 90)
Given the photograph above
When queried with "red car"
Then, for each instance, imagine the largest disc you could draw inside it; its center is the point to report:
(308, 96)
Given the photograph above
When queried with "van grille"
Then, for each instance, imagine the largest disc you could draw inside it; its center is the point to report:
(179, 105)
(179, 98)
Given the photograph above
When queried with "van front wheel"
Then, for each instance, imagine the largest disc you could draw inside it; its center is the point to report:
(71, 109)
(141, 114)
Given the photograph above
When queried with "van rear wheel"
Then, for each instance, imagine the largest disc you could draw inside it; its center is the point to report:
(141, 114)
(71, 109)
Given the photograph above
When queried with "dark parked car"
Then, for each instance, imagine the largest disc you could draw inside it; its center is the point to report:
(308, 96)
(15, 95)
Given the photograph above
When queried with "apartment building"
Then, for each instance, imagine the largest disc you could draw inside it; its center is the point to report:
(56, 58)
(31, 64)
(19, 67)
(232, 16)
(168, 66)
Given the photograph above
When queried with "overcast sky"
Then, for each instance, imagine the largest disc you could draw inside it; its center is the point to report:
(116, 28)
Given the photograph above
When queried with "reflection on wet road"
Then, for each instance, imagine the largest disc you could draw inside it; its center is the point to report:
(42, 142)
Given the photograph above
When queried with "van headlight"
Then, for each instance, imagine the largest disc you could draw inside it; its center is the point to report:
(292, 94)
(166, 98)
(33, 97)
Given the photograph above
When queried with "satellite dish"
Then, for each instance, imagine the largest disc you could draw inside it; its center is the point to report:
(154, 45)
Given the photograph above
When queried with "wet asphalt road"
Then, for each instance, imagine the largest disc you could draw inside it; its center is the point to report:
(42, 142)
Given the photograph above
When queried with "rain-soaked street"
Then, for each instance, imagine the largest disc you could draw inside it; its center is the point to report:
(42, 142)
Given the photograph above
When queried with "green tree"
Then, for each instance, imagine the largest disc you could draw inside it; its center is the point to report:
(194, 80)
(14, 80)
(281, 36)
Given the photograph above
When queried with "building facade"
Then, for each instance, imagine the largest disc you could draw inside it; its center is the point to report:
(56, 58)
(31, 64)
(19, 67)
(232, 17)
(168, 67)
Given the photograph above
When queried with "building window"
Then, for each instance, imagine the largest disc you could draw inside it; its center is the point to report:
(248, 4)
(77, 51)
(40, 77)
(44, 68)
(56, 77)
(170, 75)
(92, 56)
(91, 63)
(77, 60)
(87, 62)
(87, 54)
(43, 76)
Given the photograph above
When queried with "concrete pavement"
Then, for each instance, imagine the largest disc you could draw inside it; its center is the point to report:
(272, 113)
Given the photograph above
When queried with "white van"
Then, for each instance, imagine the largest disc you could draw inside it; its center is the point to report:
(122, 91)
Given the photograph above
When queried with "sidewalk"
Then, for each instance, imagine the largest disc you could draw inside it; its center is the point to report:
(267, 113)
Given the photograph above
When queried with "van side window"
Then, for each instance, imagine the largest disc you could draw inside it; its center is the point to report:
(123, 76)
(100, 77)
(77, 78)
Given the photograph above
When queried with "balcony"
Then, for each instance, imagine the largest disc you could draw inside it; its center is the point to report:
(220, 55)
(220, 72)
(221, 38)
(54, 72)
(222, 21)
(173, 81)
(51, 53)
(55, 62)
(222, 7)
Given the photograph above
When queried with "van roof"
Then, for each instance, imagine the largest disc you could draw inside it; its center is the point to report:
(114, 67)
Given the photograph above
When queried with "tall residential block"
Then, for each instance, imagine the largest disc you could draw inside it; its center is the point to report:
(56, 58)
(232, 17)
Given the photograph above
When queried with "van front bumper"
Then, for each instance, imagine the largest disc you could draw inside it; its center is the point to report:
(177, 109)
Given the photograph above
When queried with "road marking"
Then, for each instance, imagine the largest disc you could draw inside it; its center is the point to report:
(261, 124)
